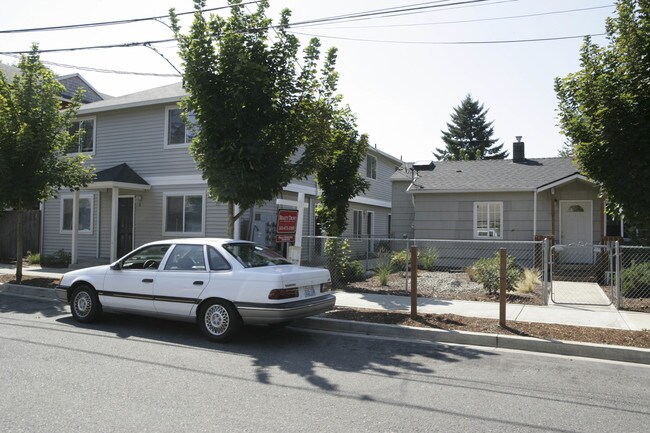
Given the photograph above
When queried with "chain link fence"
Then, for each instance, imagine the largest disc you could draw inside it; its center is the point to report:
(634, 281)
(447, 269)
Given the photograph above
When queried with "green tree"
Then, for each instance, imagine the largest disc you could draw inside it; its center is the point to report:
(259, 119)
(469, 135)
(34, 137)
(338, 168)
(604, 110)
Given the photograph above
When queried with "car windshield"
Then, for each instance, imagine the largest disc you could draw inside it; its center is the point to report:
(253, 256)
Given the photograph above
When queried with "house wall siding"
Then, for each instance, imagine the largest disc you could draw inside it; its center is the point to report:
(63, 241)
(403, 213)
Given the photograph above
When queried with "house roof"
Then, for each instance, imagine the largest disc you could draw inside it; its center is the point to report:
(9, 70)
(490, 175)
(119, 176)
(158, 95)
(72, 82)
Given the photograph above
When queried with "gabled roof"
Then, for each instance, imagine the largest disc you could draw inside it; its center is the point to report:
(121, 176)
(72, 82)
(170, 93)
(9, 70)
(490, 175)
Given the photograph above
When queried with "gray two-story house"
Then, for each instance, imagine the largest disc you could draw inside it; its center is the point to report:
(148, 186)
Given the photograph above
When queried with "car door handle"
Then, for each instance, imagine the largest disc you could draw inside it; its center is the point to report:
(147, 280)
(198, 283)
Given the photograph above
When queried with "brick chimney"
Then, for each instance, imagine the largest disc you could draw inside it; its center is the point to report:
(518, 155)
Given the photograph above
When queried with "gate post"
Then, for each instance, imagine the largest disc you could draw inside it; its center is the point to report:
(617, 270)
(545, 266)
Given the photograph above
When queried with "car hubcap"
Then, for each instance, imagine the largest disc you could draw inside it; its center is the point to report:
(82, 304)
(217, 319)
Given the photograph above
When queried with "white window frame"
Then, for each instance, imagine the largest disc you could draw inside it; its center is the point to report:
(488, 204)
(85, 119)
(64, 197)
(369, 167)
(166, 144)
(354, 221)
(183, 194)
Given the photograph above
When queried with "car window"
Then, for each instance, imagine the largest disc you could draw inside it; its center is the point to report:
(186, 258)
(217, 262)
(252, 256)
(145, 258)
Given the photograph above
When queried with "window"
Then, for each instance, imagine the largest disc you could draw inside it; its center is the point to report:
(371, 167)
(85, 213)
(177, 134)
(86, 139)
(217, 262)
(186, 258)
(487, 220)
(184, 213)
(252, 256)
(145, 258)
(357, 222)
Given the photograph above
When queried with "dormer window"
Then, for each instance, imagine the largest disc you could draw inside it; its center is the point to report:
(177, 134)
(86, 140)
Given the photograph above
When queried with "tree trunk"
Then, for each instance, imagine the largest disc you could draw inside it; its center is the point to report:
(231, 220)
(19, 245)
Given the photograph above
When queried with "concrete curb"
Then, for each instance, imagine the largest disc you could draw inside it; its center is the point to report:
(35, 292)
(557, 347)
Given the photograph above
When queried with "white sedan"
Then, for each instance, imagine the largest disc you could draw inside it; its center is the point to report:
(219, 283)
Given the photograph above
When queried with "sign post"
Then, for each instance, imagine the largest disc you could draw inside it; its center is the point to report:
(294, 252)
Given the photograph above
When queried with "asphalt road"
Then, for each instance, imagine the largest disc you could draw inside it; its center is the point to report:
(131, 374)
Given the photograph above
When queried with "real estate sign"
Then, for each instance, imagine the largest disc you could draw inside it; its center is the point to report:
(286, 225)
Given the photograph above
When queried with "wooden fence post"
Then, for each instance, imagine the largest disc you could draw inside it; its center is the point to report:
(414, 281)
(502, 288)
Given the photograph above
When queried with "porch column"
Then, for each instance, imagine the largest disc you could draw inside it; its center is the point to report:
(114, 206)
(534, 214)
(75, 227)
(237, 228)
(299, 223)
(553, 214)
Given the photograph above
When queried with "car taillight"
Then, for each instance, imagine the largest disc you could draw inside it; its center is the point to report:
(325, 287)
(283, 293)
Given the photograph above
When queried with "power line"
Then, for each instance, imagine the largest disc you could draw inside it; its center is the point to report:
(111, 23)
(510, 41)
(471, 21)
(105, 71)
(94, 47)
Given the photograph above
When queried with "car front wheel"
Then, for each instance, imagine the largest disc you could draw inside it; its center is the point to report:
(84, 304)
(219, 320)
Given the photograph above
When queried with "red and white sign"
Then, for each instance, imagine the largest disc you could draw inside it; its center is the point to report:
(286, 225)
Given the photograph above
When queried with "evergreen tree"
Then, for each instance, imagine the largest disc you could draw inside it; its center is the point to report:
(469, 135)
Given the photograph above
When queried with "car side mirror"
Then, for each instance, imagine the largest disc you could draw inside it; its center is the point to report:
(116, 266)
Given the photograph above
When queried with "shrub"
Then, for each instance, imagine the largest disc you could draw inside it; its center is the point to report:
(382, 247)
(399, 259)
(635, 281)
(427, 258)
(338, 258)
(59, 259)
(33, 258)
(471, 273)
(528, 280)
(487, 273)
(383, 271)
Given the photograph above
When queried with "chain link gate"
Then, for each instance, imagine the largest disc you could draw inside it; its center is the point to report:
(582, 274)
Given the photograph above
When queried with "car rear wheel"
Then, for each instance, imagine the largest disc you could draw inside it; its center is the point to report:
(84, 304)
(219, 320)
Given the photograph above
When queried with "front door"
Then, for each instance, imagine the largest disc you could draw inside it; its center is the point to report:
(576, 232)
(124, 226)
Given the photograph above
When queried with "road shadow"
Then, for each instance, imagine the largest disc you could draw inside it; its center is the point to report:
(32, 305)
(293, 351)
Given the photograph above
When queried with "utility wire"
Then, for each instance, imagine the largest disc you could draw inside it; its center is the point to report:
(469, 21)
(115, 22)
(105, 71)
(510, 41)
(94, 47)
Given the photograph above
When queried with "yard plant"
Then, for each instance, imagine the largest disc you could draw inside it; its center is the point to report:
(487, 271)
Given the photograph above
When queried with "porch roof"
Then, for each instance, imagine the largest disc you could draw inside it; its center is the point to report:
(119, 176)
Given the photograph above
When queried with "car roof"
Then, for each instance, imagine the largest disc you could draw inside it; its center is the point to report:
(196, 241)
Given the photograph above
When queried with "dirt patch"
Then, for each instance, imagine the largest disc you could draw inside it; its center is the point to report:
(29, 280)
(474, 324)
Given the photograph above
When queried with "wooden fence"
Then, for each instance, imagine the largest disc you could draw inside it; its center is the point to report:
(32, 233)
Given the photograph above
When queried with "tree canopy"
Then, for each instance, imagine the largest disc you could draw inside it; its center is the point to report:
(469, 134)
(259, 115)
(604, 110)
(34, 137)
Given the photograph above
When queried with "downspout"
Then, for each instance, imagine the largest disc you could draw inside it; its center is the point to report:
(534, 214)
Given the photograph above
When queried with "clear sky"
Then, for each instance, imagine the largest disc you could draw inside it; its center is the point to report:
(402, 85)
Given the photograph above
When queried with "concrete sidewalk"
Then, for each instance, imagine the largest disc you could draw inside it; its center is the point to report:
(578, 315)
